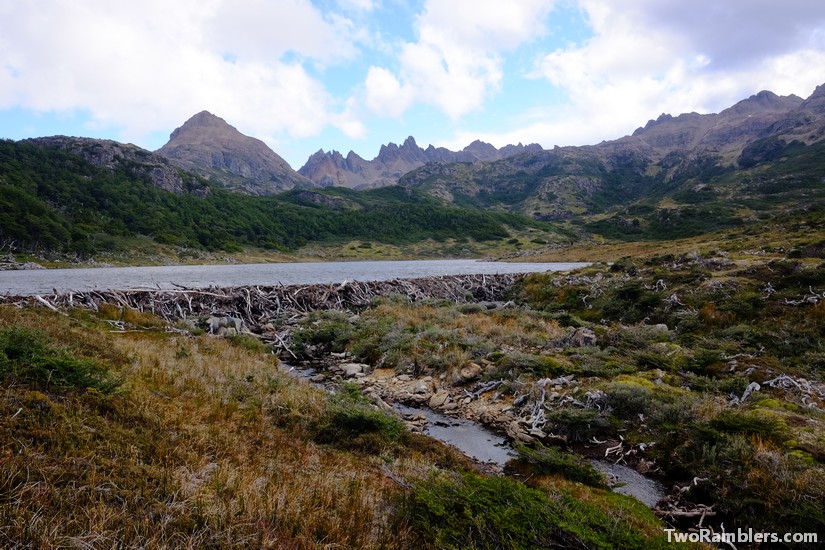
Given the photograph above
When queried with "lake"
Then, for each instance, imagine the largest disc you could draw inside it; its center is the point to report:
(46, 281)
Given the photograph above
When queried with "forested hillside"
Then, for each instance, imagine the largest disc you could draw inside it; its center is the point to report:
(54, 200)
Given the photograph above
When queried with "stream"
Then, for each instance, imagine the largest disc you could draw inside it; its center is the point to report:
(485, 446)
(471, 438)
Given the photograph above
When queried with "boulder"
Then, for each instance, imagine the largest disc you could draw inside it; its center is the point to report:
(422, 386)
(352, 369)
(517, 433)
(470, 372)
(438, 399)
(583, 337)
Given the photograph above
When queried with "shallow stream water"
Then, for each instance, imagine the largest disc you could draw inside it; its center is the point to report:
(484, 445)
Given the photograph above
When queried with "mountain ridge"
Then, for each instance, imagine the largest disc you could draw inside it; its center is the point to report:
(207, 145)
(672, 177)
(332, 169)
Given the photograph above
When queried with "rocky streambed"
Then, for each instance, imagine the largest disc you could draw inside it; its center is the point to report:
(470, 409)
(475, 416)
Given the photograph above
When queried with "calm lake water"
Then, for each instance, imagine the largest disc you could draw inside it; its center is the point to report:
(45, 281)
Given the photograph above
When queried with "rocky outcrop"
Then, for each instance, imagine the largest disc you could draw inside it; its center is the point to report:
(393, 161)
(113, 155)
(208, 146)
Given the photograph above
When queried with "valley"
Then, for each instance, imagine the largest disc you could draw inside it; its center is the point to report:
(689, 349)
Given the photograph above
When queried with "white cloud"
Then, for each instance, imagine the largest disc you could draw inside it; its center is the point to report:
(647, 57)
(265, 30)
(384, 93)
(149, 65)
(457, 60)
(359, 5)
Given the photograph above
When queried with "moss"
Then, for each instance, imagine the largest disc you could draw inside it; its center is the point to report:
(548, 461)
(28, 357)
(470, 511)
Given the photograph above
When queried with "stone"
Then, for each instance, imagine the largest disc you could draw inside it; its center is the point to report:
(516, 433)
(352, 369)
(422, 386)
(405, 377)
(417, 398)
(583, 337)
(438, 399)
(470, 372)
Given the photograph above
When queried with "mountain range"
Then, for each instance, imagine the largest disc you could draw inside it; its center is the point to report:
(675, 176)
(677, 172)
(207, 145)
(328, 169)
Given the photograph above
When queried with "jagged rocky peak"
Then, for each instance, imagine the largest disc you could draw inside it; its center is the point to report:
(818, 92)
(206, 144)
(409, 143)
(393, 161)
(481, 148)
(763, 103)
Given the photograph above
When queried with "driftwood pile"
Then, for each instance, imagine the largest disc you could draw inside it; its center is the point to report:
(260, 305)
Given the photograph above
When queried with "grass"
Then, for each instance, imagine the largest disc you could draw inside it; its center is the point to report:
(470, 511)
(206, 444)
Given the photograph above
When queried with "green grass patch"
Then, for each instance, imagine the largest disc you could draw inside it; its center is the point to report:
(461, 511)
(28, 357)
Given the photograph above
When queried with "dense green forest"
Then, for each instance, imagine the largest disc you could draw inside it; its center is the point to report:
(53, 200)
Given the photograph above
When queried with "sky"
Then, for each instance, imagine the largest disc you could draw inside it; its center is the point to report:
(305, 75)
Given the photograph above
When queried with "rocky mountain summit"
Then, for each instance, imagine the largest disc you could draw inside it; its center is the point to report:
(113, 155)
(726, 132)
(331, 168)
(680, 173)
(209, 146)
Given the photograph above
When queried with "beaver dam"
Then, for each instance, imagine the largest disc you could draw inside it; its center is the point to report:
(259, 305)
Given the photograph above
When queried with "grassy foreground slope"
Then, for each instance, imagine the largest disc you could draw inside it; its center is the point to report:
(152, 438)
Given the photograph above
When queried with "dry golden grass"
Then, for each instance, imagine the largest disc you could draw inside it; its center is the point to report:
(205, 444)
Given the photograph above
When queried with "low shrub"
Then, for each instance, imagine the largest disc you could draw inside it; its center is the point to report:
(462, 511)
(352, 422)
(765, 425)
(27, 357)
(548, 460)
(579, 424)
(331, 330)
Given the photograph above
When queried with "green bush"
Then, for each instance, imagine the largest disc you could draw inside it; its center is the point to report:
(752, 423)
(548, 460)
(353, 423)
(473, 512)
(331, 330)
(26, 357)
(579, 424)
